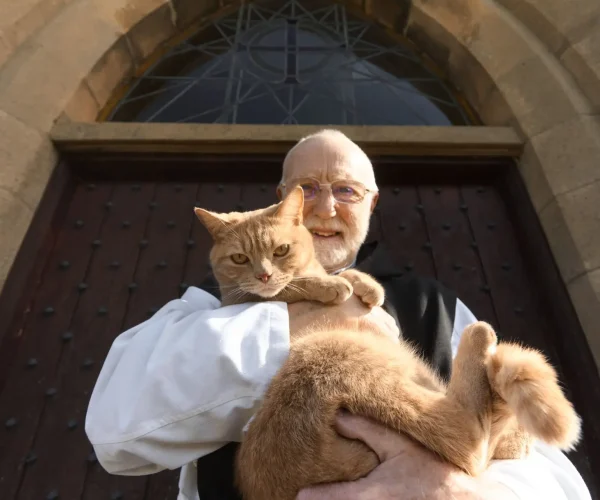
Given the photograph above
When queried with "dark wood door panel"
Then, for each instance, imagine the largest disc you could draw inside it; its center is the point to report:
(128, 242)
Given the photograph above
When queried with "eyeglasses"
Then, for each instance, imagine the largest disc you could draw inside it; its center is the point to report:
(343, 191)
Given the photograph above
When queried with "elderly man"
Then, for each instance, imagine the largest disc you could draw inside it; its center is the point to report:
(178, 389)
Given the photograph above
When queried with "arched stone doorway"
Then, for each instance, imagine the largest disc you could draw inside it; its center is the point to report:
(555, 123)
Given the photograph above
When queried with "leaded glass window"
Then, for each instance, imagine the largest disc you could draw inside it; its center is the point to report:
(281, 62)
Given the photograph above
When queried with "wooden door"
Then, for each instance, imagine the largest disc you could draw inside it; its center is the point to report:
(116, 238)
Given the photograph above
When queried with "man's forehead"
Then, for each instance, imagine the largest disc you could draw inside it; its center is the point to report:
(322, 158)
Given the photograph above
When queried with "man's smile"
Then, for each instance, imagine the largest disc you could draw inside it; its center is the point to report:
(322, 233)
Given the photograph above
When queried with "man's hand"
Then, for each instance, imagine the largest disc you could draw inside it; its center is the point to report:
(407, 472)
(306, 316)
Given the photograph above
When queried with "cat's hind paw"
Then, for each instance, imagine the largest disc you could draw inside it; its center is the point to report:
(478, 340)
(529, 384)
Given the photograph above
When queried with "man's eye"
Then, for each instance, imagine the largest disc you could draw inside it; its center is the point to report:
(346, 193)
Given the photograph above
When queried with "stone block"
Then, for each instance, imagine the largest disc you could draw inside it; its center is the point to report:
(21, 94)
(147, 35)
(27, 158)
(115, 66)
(60, 56)
(19, 19)
(82, 107)
(571, 222)
(450, 55)
(15, 218)
(539, 97)
(460, 18)
(495, 111)
(585, 295)
(431, 37)
(5, 50)
(582, 60)
(391, 14)
(553, 21)
(124, 14)
(465, 44)
(499, 43)
(570, 154)
(188, 11)
(534, 177)
(469, 77)
(68, 37)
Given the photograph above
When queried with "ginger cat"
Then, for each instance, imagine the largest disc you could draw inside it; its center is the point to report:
(499, 397)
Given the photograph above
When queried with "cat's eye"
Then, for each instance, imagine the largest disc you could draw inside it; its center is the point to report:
(281, 250)
(239, 258)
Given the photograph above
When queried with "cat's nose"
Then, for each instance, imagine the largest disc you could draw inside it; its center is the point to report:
(264, 277)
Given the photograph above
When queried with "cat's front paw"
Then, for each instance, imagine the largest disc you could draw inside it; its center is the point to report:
(366, 288)
(337, 290)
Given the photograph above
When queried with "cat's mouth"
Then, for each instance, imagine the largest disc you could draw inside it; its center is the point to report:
(267, 294)
(318, 233)
(267, 290)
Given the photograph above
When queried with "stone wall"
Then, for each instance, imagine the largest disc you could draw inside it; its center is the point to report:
(531, 64)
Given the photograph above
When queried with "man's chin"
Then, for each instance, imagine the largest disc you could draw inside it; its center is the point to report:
(329, 242)
(332, 256)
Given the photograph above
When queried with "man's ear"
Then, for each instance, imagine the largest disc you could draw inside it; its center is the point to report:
(292, 207)
(279, 192)
(374, 201)
(213, 222)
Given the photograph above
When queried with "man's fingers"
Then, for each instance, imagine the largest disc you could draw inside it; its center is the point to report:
(385, 322)
(335, 491)
(383, 441)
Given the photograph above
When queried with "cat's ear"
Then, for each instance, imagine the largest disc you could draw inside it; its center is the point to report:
(292, 206)
(215, 223)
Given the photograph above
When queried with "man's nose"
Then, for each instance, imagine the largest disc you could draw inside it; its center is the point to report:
(264, 277)
(325, 205)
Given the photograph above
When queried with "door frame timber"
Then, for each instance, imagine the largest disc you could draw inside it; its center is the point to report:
(275, 139)
(478, 155)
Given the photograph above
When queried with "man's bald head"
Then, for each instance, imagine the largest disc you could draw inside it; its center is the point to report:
(331, 152)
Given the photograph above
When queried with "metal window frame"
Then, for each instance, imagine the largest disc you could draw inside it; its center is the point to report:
(236, 30)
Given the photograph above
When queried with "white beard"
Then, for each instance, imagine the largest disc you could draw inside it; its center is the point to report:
(337, 252)
(333, 255)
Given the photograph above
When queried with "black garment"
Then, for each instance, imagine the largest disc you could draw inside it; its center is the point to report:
(424, 311)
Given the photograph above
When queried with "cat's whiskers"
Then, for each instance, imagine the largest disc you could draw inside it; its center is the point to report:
(236, 293)
(236, 285)
(241, 288)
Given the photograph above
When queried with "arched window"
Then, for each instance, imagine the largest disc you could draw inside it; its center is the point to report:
(283, 63)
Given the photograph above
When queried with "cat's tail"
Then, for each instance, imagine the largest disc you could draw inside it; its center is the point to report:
(529, 385)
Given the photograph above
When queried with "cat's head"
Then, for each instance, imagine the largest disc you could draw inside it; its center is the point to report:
(259, 252)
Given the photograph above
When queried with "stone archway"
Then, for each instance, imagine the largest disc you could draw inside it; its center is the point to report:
(525, 63)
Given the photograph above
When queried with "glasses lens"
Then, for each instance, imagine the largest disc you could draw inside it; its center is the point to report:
(310, 189)
(348, 192)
